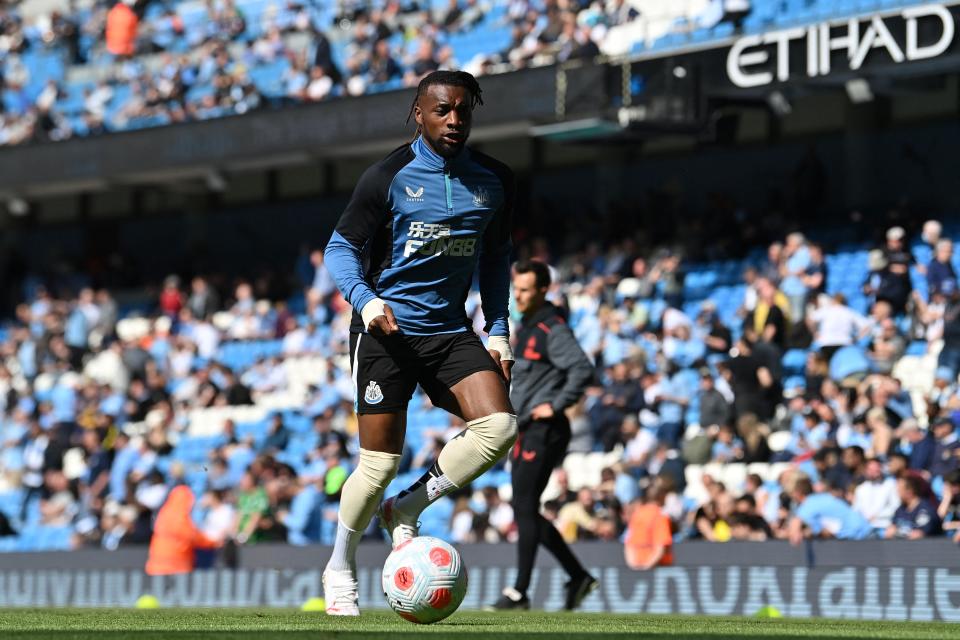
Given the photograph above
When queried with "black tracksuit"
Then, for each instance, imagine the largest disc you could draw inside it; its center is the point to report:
(550, 368)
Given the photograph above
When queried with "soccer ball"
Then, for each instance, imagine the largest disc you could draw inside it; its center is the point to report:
(424, 580)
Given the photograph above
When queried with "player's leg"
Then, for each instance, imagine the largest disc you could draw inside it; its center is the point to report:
(478, 394)
(382, 393)
(491, 431)
(528, 464)
(581, 583)
(381, 442)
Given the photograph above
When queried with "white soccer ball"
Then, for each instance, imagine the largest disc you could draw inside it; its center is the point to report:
(424, 580)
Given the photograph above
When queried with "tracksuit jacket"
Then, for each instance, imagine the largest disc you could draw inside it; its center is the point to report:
(414, 232)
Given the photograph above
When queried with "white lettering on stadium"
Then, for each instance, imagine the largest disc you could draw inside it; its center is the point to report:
(748, 55)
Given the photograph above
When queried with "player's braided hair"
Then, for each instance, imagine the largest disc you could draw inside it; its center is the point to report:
(450, 78)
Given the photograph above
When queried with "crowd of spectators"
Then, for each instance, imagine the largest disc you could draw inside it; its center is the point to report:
(154, 62)
(94, 406)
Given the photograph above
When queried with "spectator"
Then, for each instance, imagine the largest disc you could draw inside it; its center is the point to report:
(461, 522)
(235, 393)
(619, 397)
(920, 444)
(948, 362)
(277, 435)
(772, 266)
(940, 270)
(121, 31)
(322, 281)
(930, 234)
(715, 335)
(171, 300)
(219, 518)
(854, 460)
(451, 20)
(876, 498)
(253, 508)
(751, 381)
(577, 520)
(424, 62)
(649, 541)
(887, 346)
(727, 447)
(707, 520)
(835, 325)
(795, 262)
(639, 444)
(949, 509)
(320, 85)
(946, 448)
(499, 514)
(815, 276)
(754, 436)
(822, 515)
(714, 408)
(769, 319)
(746, 523)
(175, 537)
(59, 506)
(304, 519)
(203, 300)
(916, 517)
(896, 285)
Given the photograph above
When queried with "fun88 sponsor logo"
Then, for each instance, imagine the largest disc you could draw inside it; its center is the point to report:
(433, 239)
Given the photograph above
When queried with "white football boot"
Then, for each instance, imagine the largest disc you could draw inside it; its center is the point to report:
(400, 528)
(340, 593)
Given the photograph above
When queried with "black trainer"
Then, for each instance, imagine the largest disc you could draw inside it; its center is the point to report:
(510, 600)
(578, 589)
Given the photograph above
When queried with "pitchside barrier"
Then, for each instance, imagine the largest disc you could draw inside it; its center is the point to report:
(870, 580)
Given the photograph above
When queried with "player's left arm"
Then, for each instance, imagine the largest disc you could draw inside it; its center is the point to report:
(495, 277)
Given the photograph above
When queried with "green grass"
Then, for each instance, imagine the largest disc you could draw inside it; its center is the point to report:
(255, 624)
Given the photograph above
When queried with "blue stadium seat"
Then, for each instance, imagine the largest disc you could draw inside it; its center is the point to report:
(849, 361)
(916, 348)
(794, 361)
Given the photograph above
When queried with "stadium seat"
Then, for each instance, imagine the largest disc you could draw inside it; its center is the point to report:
(794, 361)
(848, 362)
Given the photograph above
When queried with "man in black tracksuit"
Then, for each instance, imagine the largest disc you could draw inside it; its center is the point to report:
(550, 374)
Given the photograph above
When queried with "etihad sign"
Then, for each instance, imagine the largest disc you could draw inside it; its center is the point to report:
(749, 57)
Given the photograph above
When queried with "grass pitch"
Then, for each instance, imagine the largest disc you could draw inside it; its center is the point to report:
(272, 624)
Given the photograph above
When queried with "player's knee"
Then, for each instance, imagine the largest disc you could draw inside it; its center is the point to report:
(498, 432)
(378, 468)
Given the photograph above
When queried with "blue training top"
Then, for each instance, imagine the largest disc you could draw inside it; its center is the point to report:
(413, 233)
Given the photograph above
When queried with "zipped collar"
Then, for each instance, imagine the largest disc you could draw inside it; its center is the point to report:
(433, 160)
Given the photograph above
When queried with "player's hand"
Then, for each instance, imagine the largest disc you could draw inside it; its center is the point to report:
(384, 325)
(542, 411)
(505, 365)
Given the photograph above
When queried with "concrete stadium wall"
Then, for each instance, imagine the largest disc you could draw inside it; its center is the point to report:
(890, 580)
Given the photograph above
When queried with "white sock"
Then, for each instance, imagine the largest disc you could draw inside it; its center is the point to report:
(431, 486)
(344, 554)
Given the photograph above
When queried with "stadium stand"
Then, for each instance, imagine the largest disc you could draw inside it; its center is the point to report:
(194, 60)
(250, 402)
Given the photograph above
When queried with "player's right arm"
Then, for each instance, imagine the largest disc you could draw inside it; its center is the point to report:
(365, 213)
